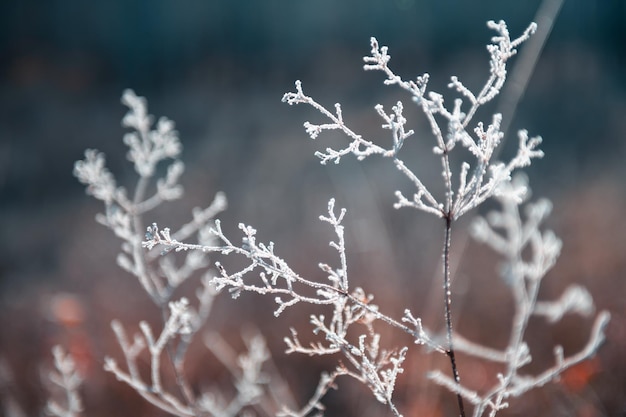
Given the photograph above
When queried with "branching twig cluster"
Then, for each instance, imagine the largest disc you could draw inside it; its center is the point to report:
(160, 276)
(365, 361)
(486, 178)
(529, 254)
(66, 378)
(124, 215)
(249, 380)
(473, 188)
(347, 325)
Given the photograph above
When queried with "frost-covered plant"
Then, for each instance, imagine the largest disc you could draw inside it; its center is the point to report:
(529, 254)
(364, 359)
(66, 378)
(347, 324)
(160, 276)
(123, 214)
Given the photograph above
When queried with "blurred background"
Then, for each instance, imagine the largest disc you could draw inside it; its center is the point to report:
(219, 69)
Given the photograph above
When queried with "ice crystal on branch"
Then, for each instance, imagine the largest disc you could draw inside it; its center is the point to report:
(473, 187)
(100, 182)
(147, 147)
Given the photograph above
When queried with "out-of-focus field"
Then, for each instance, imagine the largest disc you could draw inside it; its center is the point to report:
(219, 71)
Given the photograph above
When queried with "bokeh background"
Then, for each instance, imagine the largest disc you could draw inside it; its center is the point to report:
(219, 69)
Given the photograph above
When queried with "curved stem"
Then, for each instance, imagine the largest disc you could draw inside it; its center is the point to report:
(143, 272)
(448, 303)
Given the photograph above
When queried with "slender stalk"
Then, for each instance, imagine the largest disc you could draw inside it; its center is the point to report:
(179, 372)
(138, 253)
(448, 303)
(160, 298)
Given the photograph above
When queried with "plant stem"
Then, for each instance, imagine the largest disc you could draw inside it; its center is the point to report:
(179, 372)
(448, 303)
